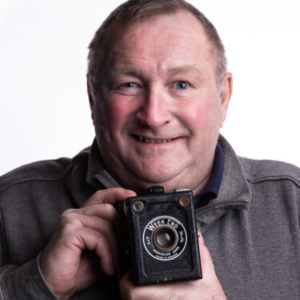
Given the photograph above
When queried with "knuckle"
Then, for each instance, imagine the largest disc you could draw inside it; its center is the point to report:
(68, 212)
(106, 210)
(70, 228)
(109, 208)
(69, 220)
(99, 193)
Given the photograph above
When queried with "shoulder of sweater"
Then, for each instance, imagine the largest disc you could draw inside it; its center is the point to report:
(52, 169)
(272, 170)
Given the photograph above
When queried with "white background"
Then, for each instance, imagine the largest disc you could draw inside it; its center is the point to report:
(44, 111)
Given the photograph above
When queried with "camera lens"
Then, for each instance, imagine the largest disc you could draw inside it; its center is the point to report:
(165, 238)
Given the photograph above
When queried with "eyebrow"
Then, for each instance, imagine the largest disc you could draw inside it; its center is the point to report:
(184, 69)
(115, 71)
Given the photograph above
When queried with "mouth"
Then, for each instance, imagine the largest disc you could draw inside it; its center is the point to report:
(151, 140)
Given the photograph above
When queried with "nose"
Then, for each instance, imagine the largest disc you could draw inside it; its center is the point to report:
(154, 111)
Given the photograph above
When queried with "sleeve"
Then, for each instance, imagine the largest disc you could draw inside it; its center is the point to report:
(25, 282)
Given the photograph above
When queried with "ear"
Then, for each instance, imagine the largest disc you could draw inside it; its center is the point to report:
(225, 95)
(91, 98)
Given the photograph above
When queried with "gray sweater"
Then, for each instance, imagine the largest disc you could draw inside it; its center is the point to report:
(251, 229)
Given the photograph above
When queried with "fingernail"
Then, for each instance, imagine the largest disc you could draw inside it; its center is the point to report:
(130, 193)
(200, 237)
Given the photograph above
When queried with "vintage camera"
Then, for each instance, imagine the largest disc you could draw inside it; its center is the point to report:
(162, 237)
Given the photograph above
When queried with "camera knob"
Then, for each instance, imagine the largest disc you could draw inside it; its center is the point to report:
(184, 201)
(138, 206)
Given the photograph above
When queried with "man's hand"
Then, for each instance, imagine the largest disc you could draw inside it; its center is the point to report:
(207, 288)
(70, 262)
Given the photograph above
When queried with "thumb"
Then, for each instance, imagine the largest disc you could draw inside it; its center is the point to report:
(205, 257)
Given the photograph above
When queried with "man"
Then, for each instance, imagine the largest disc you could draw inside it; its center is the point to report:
(159, 92)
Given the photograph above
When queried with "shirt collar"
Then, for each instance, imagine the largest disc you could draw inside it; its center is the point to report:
(212, 188)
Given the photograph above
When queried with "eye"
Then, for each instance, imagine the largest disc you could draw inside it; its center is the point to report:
(129, 88)
(128, 85)
(180, 85)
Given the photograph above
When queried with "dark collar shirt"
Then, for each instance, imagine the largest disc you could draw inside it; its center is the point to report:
(212, 188)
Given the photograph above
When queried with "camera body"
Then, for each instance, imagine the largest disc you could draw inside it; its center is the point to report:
(162, 237)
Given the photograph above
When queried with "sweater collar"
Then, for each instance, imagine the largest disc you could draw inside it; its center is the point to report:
(234, 191)
(97, 174)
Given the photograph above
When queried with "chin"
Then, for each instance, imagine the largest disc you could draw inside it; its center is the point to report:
(155, 178)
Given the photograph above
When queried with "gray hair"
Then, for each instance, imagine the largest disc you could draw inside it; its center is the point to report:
(133, 11)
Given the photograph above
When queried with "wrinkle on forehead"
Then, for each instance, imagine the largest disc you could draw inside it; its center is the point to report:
(120, 60)
(120, 64)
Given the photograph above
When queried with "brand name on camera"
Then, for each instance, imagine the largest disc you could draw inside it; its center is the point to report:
(152, 226)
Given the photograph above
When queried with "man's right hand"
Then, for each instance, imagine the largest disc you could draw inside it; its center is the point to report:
(70, 262)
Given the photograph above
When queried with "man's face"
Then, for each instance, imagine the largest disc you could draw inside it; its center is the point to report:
(159, 112)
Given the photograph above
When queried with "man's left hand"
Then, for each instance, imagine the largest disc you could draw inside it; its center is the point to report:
(207, 288)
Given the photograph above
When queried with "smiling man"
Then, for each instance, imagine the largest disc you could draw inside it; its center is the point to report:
(160, 107)
(159, 92)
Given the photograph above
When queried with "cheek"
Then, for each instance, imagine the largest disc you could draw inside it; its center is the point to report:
(202, 115)
(113, 115)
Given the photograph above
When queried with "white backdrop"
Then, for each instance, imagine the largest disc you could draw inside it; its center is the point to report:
(44, 111)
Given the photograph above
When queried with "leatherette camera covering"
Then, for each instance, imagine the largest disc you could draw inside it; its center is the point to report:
(163, 237)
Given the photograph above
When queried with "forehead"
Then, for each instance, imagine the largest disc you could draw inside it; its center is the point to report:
(179, 23)
(177, 36)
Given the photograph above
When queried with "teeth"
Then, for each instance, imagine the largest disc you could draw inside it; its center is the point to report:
(153, 141)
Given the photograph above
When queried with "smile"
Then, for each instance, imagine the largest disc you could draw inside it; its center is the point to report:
(152, 141)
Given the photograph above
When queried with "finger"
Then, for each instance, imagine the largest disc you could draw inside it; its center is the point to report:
(207, 265)
(111, 196)
(75, 221)
(109, 232)
(62, 256)
(97, 242)
(104, 211)
(125, 285)
(173, 290)
(200, 237)
(86, 238)
(89, 239)
(105, 219)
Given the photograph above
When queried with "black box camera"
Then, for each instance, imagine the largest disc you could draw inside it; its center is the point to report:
(162, 237)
